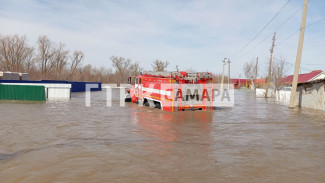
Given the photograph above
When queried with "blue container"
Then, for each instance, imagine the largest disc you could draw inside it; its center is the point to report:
(81, 86)
(76, 86)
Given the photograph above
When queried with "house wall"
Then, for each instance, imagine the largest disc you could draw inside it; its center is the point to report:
(309, 95)
(312, 96)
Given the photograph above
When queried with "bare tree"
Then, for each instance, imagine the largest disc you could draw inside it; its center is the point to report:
(86, 73)
(159, 65)
(76, 60)
(14, 52)
(30, 63)
(134, 69)
(250, 70)
(121, 65)
(280, 70)
(45, 54)
(59, 60)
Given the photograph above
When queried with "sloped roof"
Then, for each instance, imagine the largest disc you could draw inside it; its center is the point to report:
(314, 81)
(302, 77)
(260, 81)
(240, 81)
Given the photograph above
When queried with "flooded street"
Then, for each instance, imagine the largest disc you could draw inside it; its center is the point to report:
(64, 141)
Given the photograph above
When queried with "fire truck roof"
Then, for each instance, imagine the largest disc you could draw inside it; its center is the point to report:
(167, 74)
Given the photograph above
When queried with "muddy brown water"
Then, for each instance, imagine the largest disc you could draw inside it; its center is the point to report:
(64, 141)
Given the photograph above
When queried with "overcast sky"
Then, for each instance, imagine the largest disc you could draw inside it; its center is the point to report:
(192, 34)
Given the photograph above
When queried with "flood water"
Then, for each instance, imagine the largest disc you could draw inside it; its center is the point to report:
(65, 141)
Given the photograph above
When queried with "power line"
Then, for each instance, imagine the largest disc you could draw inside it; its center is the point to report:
(291, 64)
(316, 22)
(313, 64)
(282, 41)
(309, 25)
(268, 23)
(274, 31)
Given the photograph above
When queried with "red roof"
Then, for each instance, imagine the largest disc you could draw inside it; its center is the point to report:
(239, 81)
(302, 77)
(260, 81)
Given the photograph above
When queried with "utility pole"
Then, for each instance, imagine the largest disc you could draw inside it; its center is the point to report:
(279, 78)
(223, 75)
(228, 74)
(256, 72)
(298, 57)
(270, 67)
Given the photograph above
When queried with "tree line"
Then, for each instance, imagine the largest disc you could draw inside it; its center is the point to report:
(50, 60)
(53, 61)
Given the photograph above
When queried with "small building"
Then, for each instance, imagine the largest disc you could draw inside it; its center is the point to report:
(6, 75)
(259, 83)
(13, 76)
(238, 83)
(303, 78)
(311, 94)
(23, 76)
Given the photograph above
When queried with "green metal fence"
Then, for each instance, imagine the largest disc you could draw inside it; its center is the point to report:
(22, 92)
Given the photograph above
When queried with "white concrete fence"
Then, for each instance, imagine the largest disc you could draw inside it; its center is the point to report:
(308, 96)
(52, 91)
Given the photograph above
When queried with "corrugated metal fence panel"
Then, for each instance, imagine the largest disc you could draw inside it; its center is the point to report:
(21, 92)
(53, 91)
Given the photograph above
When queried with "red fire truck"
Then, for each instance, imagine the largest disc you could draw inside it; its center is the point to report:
(163, 90)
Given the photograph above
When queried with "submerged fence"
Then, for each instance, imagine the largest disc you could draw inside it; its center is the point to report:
(21, 92)
(76, 86)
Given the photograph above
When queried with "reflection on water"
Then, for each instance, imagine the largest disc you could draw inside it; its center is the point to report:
(64, 141)
(166, 126)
